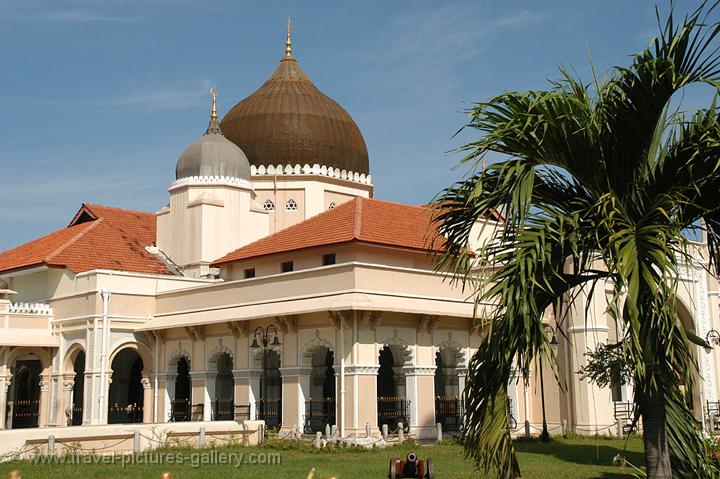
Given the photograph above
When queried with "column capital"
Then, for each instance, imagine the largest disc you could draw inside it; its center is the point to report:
(362, 370)
(146, 384)
(419, 370)
(295, 371)
(246, 373)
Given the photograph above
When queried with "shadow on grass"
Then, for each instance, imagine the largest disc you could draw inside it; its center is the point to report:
(588, 452)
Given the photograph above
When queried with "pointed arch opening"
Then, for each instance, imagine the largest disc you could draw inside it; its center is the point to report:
(393, 405)
(320, 408)
(125, 396)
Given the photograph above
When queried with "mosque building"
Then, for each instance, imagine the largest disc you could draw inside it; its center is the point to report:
(274, 286)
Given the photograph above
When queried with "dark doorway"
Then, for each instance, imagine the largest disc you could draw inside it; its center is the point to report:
(223, 406)
(78, 390)
(392, 408)
(448, 404)
(269, 408)
(386, 376)
(320, 407)
(180, 407)
(26, 394)
(125, 399)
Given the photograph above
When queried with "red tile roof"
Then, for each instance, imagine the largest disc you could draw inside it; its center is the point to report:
(360, 219)
(99, 237)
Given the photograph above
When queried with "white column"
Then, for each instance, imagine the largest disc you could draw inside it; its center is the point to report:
(209, 395)
(462, 378)
(169, 396)
(4, 387)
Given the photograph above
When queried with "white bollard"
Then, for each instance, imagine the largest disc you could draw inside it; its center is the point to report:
(401, 433)
(136, 442)
(327, 431)
(385, 431)
(527, 429)
(439, 432)
(318, 439)
(51, 445)
(201, 437)
(367, 429)
(563, 424)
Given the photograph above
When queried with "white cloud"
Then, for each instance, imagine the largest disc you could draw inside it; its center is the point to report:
(424, 50)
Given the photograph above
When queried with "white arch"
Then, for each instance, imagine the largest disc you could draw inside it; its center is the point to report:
(313, 346)
(460, 356)
(402, 351)
(176, 355)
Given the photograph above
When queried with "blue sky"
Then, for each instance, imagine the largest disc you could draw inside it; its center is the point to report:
(98, 98)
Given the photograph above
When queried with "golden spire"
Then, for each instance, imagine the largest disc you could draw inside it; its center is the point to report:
(288, 43)
(213, 112)
(213, 126)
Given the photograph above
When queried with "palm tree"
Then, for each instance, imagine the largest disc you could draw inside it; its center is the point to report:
(595, 183)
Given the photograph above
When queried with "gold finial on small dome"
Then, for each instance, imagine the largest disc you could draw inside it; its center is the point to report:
(213, 113)
(288, 42)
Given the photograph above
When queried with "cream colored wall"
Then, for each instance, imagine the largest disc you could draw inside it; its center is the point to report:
(336, 197)
(205, 222)
(312, 193)
(344, 253)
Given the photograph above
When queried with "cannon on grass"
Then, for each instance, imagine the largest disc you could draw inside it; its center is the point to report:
(411, 467)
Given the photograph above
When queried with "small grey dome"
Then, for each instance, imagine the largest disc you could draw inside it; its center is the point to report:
(213, 155)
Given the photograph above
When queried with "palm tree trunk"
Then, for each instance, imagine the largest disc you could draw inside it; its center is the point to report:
(657, 453)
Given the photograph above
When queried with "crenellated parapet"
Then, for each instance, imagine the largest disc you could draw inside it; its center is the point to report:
(315, 169)
(40, 309)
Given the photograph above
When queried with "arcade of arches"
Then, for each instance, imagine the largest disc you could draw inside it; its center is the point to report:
(294, 386)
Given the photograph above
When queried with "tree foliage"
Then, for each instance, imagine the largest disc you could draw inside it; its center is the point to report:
(607, 365)
(596, 183)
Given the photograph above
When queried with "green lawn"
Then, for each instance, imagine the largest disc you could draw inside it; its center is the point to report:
(561, 459)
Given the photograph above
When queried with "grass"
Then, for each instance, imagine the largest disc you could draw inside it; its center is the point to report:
(561, 459)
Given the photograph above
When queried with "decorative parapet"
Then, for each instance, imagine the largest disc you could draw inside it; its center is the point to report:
(315, 169)
(212, 180)
(42, 309)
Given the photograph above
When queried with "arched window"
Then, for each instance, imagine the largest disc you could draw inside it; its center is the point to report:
(332, 205)
(269, 205)
(291, 205)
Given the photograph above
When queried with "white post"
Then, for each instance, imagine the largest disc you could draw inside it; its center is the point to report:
(155, 379)
(102, 409)
(342, 379)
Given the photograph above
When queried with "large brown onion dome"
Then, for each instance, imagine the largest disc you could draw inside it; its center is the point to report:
(288, 121)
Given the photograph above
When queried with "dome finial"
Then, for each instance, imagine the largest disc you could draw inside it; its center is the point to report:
(288, 42)
(213, 112)
(214, 126)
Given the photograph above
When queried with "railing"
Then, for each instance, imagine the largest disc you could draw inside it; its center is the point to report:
(25, 413)
(712, 415)
(223, 410)
(449, 413)
(393, 410)
(625, 413)
(270, 411)
(76, 415)
(124, 413)
(318, 414)
(179, 410)
(512, 421)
